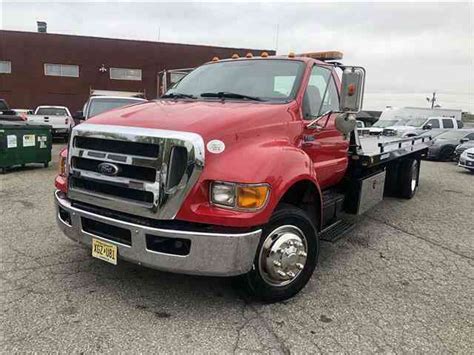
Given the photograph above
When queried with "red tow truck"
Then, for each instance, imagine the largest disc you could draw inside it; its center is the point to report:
(241, 168)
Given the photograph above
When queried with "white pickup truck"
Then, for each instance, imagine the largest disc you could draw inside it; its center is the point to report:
(416, 126)
(58, 117)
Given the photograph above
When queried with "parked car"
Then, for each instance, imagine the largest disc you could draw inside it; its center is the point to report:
(58, 117)
(467, 160)
(379, 126)
(99, 104)
(416, 126)
(465, 144)
(7, 114)
(403, 115)
(433, 133)
(5, 109)
(445, 144)
(23, 111)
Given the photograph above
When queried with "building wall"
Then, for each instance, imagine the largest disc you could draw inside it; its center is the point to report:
(28, 87)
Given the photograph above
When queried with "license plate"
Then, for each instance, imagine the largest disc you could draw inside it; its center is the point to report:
(104, 251)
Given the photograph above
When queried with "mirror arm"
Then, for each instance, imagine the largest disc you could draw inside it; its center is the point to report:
(313, 123)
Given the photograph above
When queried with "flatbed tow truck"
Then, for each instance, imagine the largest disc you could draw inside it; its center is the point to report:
(240, 169)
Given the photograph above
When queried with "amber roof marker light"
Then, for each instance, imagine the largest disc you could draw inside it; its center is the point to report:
(326, 55)
(235, 56)
(249, 55)
(215, 59)
(264, 55)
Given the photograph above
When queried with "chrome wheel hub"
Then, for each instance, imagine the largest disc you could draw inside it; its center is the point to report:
(283, 255)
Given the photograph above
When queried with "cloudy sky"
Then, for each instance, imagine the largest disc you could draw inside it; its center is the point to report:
(408, 49)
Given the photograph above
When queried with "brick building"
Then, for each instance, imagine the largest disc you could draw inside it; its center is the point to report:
(55, 69)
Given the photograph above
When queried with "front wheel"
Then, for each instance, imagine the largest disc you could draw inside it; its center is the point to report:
(286, 256)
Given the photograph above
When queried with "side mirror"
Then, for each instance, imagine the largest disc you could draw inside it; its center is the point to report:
(78, 116)
(345, 122)
(427, 126)
(352, 89)
(464, 140)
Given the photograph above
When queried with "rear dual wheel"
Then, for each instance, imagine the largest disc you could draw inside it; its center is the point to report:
(402, 178)
(409, 177)
(286, 256)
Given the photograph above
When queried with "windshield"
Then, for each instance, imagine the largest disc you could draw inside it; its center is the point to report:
(51, 111)
(273, 80)
(97, 106)
(452, 134)
(416, 122)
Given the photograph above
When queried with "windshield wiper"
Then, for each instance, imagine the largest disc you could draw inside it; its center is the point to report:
(178, 95)
(230, 95)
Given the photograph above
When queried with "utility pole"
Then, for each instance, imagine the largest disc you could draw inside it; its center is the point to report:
(277, 35)
(159, 33)
(432, 99)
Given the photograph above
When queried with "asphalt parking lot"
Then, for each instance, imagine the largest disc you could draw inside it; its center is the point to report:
(401, 282)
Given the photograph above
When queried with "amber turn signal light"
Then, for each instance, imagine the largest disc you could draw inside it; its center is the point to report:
(62, 166)
(351, 89)
(252, 197)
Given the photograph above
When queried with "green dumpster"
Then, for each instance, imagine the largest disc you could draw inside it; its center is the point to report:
(24, 143)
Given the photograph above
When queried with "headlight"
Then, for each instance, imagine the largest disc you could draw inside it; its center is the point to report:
(239, 196)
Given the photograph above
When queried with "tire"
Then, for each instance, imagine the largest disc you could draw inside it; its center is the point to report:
(291, 238)
(392, 187)
(446, 154)
(409, 178)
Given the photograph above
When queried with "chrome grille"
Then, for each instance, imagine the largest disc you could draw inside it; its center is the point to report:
(146, 172)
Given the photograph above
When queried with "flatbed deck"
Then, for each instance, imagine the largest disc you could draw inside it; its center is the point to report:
(382, 149)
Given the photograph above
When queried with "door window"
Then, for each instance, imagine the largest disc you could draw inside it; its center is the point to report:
(321, 94)
(331, 100)
(448, 123)
(433, 122)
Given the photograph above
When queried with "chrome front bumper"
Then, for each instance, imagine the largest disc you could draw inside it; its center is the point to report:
(215, 254)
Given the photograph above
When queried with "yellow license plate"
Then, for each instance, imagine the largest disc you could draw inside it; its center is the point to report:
(104, 251)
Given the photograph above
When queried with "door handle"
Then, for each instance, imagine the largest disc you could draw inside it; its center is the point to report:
(312, 144)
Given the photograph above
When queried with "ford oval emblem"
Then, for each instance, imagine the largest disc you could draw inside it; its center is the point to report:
(108, 169)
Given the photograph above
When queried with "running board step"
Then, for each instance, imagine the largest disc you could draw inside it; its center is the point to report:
(336, 231)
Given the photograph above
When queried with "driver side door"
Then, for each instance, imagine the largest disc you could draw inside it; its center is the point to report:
(325, 145)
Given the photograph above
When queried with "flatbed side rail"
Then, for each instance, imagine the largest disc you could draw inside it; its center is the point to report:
(390, 150)
(400, 142)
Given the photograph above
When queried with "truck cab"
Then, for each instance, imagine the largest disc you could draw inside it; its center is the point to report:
(240, 169)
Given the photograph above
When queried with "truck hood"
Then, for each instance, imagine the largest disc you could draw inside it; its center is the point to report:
(210, 119)
(375, 129)
(402, 128)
